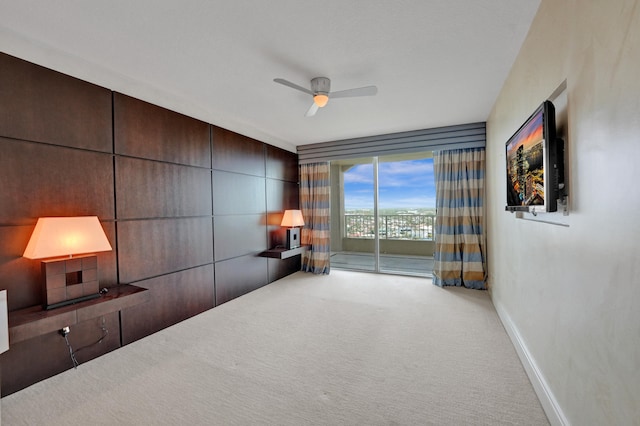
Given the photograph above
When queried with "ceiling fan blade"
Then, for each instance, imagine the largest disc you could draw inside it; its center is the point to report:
(292, 85)
(349, 93)
(312, 110)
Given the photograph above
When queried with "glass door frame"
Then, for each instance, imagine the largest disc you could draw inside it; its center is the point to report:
(376, 218)
(352, 233)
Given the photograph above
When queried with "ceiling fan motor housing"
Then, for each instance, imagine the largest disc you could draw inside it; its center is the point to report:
(320, 85)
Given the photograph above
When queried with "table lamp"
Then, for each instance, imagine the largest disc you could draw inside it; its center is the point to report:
(292, 219)
(70, 266)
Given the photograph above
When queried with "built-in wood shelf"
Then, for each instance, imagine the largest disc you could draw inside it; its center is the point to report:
(35, 321)
(283, 253)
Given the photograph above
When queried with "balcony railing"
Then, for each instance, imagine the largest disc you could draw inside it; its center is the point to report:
(392, 227)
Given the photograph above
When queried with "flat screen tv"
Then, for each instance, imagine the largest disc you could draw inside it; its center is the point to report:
(535, 164)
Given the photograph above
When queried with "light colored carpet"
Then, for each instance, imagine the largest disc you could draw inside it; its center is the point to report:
(345, 349)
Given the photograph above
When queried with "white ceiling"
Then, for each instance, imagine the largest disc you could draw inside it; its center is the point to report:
(435, 62)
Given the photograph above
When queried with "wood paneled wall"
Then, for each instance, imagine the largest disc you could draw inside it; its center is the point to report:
(187, 206)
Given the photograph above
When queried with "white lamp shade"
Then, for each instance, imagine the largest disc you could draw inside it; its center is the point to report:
(292, 218)
(64, 236)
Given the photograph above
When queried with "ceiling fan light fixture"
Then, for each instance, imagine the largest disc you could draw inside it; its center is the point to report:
(321, 91)
(320, 99)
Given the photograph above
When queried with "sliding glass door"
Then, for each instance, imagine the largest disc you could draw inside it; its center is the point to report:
(353, 215)
(383, 211)
(406, 213)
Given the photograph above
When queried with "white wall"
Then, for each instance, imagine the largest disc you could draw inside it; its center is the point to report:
(572, 293)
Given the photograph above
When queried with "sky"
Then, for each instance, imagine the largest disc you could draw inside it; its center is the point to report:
(402, 185)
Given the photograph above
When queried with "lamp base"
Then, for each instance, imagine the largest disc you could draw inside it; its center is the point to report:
(69, 279)
(293, 238)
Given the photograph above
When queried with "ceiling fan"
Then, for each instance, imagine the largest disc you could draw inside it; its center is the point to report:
(321, 92)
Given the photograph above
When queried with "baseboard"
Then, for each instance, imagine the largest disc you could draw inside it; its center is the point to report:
(549, 403)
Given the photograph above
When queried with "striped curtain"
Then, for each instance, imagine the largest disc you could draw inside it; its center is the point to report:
(460, 256)
(314, 203)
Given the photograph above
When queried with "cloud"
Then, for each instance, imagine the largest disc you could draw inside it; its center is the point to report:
(410, 167)
(402, 185)
(362, 173)
(406, 173)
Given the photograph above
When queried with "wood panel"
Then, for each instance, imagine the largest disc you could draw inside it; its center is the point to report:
(30, 361)
(18, 275)
(280, 268)
(148, 131)
(173, 298)
(276, 234)
(281, 164)
(236, 153)
(238, 276)
(148, 248)
(282, 195)
(39, 104)
(108, 260)
(234, 193)
(150, 189)
(43, 180)
(238, 235)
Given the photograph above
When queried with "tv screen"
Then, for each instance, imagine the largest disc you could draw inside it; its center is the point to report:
(533, 164)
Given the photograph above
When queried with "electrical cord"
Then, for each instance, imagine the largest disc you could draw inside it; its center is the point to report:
(105, 332)
(73, 356)
(73, 353)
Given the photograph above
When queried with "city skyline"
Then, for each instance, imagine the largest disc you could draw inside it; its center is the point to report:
(401, 185)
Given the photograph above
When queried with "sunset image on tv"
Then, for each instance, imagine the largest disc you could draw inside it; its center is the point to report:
(525, 165)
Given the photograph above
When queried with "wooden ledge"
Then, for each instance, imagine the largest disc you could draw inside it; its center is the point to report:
(31, 322)
(283, 253)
